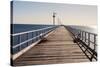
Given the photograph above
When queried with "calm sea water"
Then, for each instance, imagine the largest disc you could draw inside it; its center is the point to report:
(17, 28)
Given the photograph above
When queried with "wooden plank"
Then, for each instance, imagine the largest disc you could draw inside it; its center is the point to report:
(58, 47)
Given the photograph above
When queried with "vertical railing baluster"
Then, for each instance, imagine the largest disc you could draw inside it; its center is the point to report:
(19, 42)
(35, 35)
(42, 33)
(94, 42)
(38, 35)
(79, 34)
(88, 39)
(82, 35)
(32, 37)
(85, 37)
(27, 38)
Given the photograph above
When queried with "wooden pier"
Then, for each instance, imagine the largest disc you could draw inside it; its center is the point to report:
(58, 47)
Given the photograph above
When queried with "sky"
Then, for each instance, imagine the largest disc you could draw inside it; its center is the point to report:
(25, 12)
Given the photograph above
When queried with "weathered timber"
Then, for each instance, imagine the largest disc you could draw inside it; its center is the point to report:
(58, 47)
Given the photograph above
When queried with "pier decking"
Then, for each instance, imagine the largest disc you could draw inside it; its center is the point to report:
(58, 47)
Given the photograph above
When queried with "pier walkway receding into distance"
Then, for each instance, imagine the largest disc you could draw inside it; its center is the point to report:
(58, 47)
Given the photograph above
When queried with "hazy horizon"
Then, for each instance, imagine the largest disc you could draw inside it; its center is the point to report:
(41, 13)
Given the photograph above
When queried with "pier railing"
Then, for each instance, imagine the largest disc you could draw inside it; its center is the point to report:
(19, 41)
(87, 41)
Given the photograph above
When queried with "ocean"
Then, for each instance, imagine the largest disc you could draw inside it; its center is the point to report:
(17, 28)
